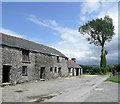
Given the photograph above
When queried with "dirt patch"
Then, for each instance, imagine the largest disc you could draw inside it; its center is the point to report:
(35, 97)
(81, 76)
(92, 84)
(42, 98)
(19, 91)
(87, 80)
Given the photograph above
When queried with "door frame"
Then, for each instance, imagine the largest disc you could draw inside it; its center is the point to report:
(77, 71)
(7, 72)
(42, 73)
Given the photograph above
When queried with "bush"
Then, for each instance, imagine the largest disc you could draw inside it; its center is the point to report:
(110, 68)
(91, 72)
(86, 69)
(103, 70)
(95, 70)
(107, 68)
(117, 67)
(103, 61)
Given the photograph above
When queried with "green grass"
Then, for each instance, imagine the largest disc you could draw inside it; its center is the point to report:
(92, 74)
(108, 73)
(98, 73)
(86, 74)
(114, 79)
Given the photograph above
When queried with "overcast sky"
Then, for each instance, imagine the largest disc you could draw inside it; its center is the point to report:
(56, 24)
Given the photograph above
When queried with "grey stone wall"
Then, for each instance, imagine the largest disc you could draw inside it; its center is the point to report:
(13, 58)
(48, 61)
(0, 59)
(0, 64)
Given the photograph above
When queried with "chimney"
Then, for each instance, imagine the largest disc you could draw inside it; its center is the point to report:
(74, 59)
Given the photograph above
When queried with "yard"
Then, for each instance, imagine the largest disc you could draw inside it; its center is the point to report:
(67, 89)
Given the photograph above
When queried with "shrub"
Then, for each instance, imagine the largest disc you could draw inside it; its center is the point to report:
(110, 68)
(103, 60)
(86, 69)
(95, 70)
(117, 67)
(103, 70)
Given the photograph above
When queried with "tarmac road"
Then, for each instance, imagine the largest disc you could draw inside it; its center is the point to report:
(103, 91)
(70, 89)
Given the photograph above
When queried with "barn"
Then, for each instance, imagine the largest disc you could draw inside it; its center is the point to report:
(24, 60)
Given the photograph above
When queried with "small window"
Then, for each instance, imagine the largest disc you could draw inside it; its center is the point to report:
(25, 55)
(51, 69)
(24, 70)
(58, 59)
(55, 69)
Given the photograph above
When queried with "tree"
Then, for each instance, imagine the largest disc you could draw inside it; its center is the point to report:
(100, 31)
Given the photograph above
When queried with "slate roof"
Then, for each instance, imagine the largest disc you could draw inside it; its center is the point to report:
(72, 64)
(28, 45)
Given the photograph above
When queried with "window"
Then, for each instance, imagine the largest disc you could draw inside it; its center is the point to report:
(51, 69)
(55, 69)
(58, 59)
(24, 70)
(25, 55)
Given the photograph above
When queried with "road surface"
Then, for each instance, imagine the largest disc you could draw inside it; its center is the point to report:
(70, 89)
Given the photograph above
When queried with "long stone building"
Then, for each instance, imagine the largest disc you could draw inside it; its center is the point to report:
(23, 61)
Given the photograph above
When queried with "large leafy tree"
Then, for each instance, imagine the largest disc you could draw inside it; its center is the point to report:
(99, 31)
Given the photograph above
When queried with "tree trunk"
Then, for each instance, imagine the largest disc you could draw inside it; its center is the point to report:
(103, 58)
(102, 51)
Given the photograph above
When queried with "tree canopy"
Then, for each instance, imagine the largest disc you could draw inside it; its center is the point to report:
(100, 30)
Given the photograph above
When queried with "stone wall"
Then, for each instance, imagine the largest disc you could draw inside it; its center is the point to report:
(0, 59)
(13, 57)
(0, 64)
(48, 61)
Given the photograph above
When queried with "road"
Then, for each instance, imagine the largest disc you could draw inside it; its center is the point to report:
(100, 92)
(105, 92)
(70, 89)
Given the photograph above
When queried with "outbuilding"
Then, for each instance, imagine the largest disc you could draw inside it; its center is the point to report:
(73, 68)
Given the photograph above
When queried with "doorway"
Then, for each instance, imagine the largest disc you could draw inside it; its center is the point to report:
(72, 72)
(42, 73)
(77, 72)
(6, 74)
(59, 71)
(80, 71)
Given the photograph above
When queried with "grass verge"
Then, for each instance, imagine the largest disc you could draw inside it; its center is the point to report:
(97, 73)
(115, 79)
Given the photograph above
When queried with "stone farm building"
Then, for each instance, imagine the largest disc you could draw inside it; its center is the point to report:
(73, 68)
(23, 61)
